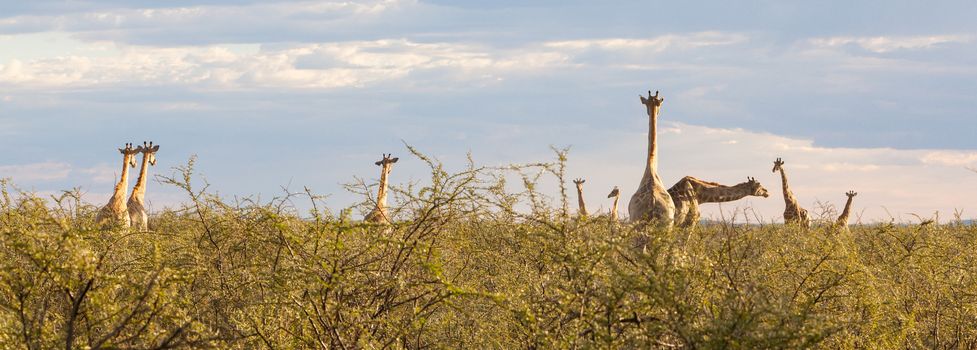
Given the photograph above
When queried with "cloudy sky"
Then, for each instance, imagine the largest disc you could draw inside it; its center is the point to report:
(875, 96)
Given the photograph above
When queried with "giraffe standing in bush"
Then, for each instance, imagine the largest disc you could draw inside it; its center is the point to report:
(616, 194)
(116, 212)
(651, 202)
(689, 192)
(379, 213)
(137, 201)
(843, 219)
(582, 210)
(793, 213)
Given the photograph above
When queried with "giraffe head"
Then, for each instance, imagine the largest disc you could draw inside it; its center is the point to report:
(778, 164)
(579, 182)
(614, 193)
(653, 103)
(851, 194)
(387, 162)
(129, 154)
(755, 188)
(149, 151)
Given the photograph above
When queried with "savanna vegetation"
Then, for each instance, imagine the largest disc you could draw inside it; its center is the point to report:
(473, 260)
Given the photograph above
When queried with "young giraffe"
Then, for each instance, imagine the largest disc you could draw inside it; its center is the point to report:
(699, 191)
(116, 213)
(137, 201)
(616, 194)
(843, 219)
(793, 213)
(651, 202)
(379, 213)
(582, 212)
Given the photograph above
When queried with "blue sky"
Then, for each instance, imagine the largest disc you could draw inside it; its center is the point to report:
(875, 96)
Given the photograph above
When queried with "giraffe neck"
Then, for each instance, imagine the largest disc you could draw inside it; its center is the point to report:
(651, 167)
(139, 191)
(788, 195)
(843, 219)
(382, 192)
(118, 198)
(722, 193)
(614, 208)
(583, 207)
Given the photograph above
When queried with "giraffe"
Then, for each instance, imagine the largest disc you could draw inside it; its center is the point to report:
(583, 207)
(379, 213)
(115, 213)
(843, 219)
(686, 204)
(793, 213)
(137, 201)
(616, 194)
(695, 191)
(651, 202)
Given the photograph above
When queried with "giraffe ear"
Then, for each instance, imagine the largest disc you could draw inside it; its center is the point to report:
(379, 162)
(155, 148)
(394, 160)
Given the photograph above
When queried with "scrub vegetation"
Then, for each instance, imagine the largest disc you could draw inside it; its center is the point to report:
(473, 259)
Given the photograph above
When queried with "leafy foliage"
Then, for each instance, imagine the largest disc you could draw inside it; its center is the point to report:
(470, 262)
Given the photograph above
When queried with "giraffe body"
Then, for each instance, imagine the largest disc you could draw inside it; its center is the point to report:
(379, 213)
(793, 213)
(116, 213)
(582, 207)
(689, 192)
(137, 201)
(651, 202)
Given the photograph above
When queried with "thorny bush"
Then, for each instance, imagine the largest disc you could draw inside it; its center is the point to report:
(472, 260)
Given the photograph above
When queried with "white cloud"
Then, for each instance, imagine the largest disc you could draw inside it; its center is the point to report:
(884, 44)
(55, 170)
(100, 174)
(102, 22)
(327, 65)
(324, 65)
(44, 171)
(951, 158)
(655, 44)
(900, 182)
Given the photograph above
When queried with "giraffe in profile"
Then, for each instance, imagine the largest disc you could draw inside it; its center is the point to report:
(651, 202)
(116, 213)
(379, 213)
(582, 211)
(689, 192)
(137, 201)
(843, 219)
(793, 213)
(616, 194)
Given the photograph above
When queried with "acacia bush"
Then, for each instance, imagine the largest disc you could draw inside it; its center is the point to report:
(474, 259)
